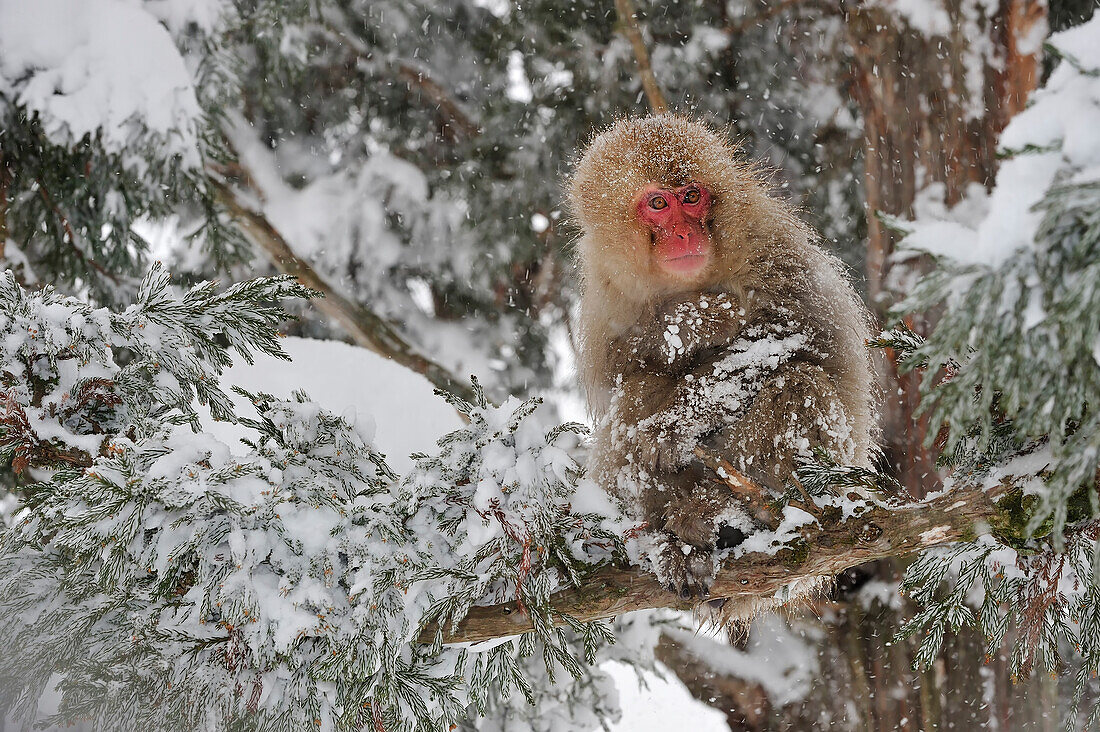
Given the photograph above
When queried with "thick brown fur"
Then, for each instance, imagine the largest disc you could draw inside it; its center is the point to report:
(767, 280)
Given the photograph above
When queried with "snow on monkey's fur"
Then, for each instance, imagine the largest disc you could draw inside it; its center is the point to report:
(792, 299)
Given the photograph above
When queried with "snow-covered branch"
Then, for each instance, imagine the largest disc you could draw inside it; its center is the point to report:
(802, 549)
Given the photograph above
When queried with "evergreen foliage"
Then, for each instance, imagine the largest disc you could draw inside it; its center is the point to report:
(89, 161)
(162, 581)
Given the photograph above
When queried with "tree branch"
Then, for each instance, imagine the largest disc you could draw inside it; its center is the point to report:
(826, 547)
(364, 327)
(456, 123)
(775, 9)
(70, 235)
(629, 20)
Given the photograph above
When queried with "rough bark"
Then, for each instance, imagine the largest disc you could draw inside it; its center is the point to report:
(922, 125)
(824, 548)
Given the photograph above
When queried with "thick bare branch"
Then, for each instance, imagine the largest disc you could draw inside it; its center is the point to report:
(824, 548)
(364, 327)
(457, 124)
(779, 8)
(629, 20)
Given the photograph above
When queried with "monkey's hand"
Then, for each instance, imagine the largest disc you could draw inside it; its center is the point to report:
(684, 569)
(685, 327)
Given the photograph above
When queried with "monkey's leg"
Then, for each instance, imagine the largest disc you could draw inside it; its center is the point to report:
(797, 410)
(688, 512)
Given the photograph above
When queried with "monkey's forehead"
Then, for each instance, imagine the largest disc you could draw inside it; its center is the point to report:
(668, 150)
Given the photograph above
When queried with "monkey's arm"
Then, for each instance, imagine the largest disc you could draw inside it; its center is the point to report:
(717, 392)
(701, 403)
(672, 338)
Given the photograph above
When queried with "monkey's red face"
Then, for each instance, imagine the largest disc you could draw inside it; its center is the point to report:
(676, 219)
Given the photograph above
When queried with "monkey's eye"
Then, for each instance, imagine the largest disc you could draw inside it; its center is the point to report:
(691, 196)
(657, 203)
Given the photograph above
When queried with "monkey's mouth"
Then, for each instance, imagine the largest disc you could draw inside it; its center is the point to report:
(686, 263)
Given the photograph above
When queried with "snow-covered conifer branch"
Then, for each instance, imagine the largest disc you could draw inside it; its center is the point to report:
(1011, 380)
(171, 582)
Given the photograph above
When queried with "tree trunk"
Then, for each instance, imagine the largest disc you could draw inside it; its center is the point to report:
(933, 107)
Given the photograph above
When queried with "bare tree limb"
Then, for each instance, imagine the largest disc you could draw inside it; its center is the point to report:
(629, 20)
(457, 124)
(776, 9)
(364, 327)
(825, 547)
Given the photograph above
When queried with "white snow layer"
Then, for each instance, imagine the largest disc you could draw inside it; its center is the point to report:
(1055, 135)
(927, 16)
(89, 65)
(659, 704)
(395, 404)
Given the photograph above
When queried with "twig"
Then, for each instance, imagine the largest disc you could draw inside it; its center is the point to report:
(629, 20)
(739, 484)
(71, 235)
(455, 120)
(28, 449)
(810, 506)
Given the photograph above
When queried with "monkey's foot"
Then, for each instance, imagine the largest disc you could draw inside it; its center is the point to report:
(684, 569)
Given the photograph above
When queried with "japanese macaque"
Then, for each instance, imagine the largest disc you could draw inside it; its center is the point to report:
(708, 319)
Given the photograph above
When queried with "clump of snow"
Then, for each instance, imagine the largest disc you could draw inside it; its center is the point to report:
(652, 703)
(784, 535)
(927, 16)
(882, 593)
(98, 66)
(1054, 140)
(1079, 43)
(395, 405)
